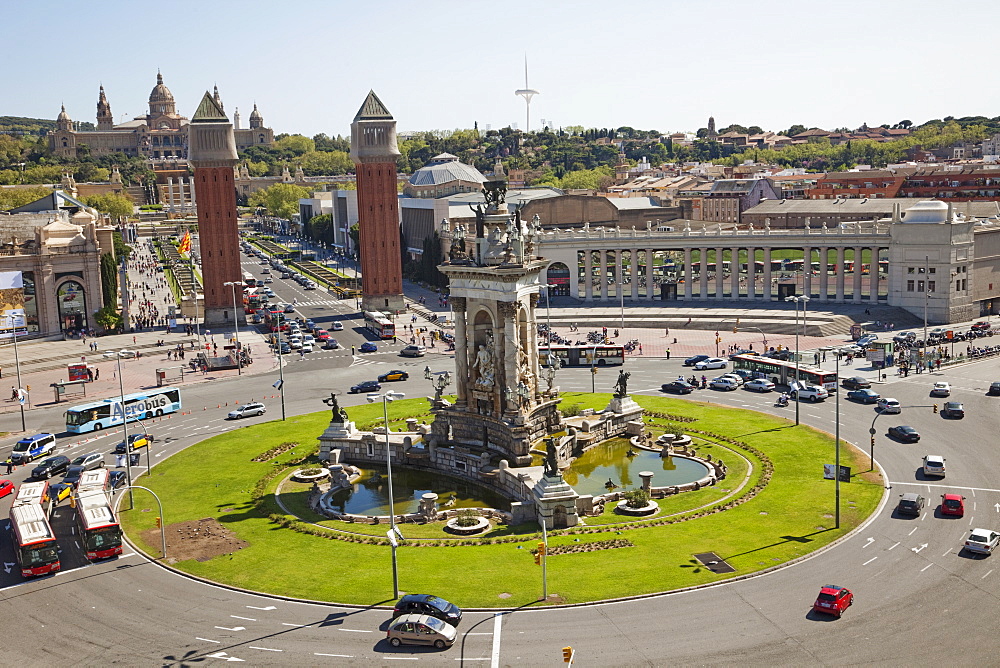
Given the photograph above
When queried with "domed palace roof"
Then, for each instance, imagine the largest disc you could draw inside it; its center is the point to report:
(160, 93)
(63, 116)
(445, 168)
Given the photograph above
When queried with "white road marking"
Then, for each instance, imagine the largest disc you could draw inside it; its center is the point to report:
(912, 530)
(401, 658)
(356, 630)
(925, 567)
(479, 658)
(266, 649)
(249, 619)
(987, 573)
(235, 628)
(947, 552)
(223, 655)
(870, 541)
(497, 628)
(971, 517)
(973, 489)
(338, 656)
(290, 624)
(869, 561)
(217, 642)
(894, 546)
(918, 549)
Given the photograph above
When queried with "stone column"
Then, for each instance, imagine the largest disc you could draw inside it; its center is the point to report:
(751, 273)
(619, 271)
(873, 275)
(194, 200)
(824, 274)
(687, 274)
(574, 276)
(532, 345)
(840, 274)
(634, 258)
(768, 288)
(650, 285)
(858, 273)
(507, 312)
(170, 192)
(602, 273)
(461, 351)
(734, 276)
(807, 259)
(588, 269)
(703, 277)
(719, 274)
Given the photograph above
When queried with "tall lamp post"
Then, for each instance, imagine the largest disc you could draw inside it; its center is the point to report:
(236, 323)
(128, 458)
(805, 301)
(281, 368)
(17, 369)
(394, 533)
(836, 437)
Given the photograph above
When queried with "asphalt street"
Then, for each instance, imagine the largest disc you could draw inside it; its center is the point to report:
(920, 600)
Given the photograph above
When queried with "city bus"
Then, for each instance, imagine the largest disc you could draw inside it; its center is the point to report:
(34, 542)
(599, 355)
(380, 324)
(249, 280)
(96, 479)
(34, 493)
(783, 373)
(254, 299)
(99, 529)
(97, 415)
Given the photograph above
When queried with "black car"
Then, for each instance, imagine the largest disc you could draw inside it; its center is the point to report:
(117, 479)
(691, 361)
(904, 433)
(366, 386)
(856, 383)
(910, 504)
(953, 409)
(425, 604)
(50, 467)
(73, 474)
(994, 389)
(678, 387)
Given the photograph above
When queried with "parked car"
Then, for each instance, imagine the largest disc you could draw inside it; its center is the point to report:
(711, 363)
(49, 467)
(366, 386)
(691, 361)
(393, 375)
(953, 409)
(310, 325)
(427, 604)
(904, 433)
(677, 387)
(953, 505)
(982, 541)
(247, 410)
(759, 385)
(369, 347)
(910, 504)
(811, 393)
(6, 487)
(889, 405)
(722, 383)
(934, 465)
(140, 440)
(833, 600)
(904, 337)
(867, 340)
(421, 630)
(865, 396)
(336, 326)
(941, 389)
(856, 383)
(413, 351)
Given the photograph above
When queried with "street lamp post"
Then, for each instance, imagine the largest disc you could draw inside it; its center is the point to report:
(836, 437)
(236, 323)
(17, 370)
(128, 457)
(394, 533)
(281, 368)
(804, 300)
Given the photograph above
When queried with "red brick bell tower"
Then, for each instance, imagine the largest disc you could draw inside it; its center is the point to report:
(212, 152)
(374, 150)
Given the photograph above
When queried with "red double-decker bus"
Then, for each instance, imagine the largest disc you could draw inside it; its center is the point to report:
(100, 531)
(35, 546)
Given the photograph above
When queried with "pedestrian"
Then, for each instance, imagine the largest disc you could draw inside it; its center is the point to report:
(133, 340)
(97, 373)
(10, 465)
(640, 348)
(667, 332)
(352, 350)
(668, 353)
(13, 393)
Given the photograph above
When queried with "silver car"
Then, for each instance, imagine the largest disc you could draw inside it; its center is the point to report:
(421, 630)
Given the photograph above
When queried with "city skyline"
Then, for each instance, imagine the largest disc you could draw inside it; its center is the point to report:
(783, 63)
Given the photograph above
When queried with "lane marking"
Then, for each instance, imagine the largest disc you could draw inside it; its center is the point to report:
(870, 541)
(356, 630)
(338, 656)
(480, 658)
(947, 552)
(911, 532)
(266, 649)
(894, 546)
(290, 624)
(401, 658)
(921, 484)
(497, 628)
(925, 567)
(987, 573)
(246, 618)
(869, 561)
(217, 642)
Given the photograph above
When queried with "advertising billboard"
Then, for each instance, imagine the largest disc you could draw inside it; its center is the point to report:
(11, 304)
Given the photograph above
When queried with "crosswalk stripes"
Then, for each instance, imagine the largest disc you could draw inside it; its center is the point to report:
(362, 360)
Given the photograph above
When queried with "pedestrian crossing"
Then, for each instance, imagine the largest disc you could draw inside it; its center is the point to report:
(358, 361)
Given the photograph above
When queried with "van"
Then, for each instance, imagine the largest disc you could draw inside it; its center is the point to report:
(33, 447)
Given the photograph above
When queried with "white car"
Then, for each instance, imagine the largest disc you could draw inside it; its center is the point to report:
(723, 383)
(867, 339)
(889, 405)
(711, 363)
(759, 385)
(941, 389)
(337, 326)
(307, 347)
(811, 393)
(295, 343)
(982, 541)
(247, 410)
(934, 465)
(308, 338)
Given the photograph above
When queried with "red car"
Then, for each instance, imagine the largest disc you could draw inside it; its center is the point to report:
(953, 504)
(6, 487)
(322, 335)
(833, 600)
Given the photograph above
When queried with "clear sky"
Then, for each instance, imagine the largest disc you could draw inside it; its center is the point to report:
(444, 64)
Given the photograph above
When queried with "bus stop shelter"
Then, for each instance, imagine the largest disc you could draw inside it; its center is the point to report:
(69, 388)
(170, 374)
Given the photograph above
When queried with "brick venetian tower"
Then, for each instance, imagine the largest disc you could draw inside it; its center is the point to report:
(373, 149)
(212, 152)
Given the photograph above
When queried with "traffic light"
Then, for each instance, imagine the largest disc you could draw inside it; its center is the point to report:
(873, 441)
(538, 558)
(567, 654)
(159, 522)
(935, 408)
(736, 330)
(541, 548)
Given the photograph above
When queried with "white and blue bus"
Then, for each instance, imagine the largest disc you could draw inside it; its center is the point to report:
(110, 412)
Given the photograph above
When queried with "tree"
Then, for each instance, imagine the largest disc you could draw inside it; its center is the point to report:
(11, 198)
(109, 318)
(295, 144)
(320, 228)
(794, 130)
(281, 199)
(116, 206)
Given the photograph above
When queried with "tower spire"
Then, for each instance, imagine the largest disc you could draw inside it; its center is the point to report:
(527, 93)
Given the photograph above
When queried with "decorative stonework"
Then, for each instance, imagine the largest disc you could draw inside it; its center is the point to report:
(457, 304)
(507, 310)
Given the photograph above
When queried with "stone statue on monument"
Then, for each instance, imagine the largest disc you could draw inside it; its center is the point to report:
(339, 414)
(551, 467)
(485, 364)
(621, 387)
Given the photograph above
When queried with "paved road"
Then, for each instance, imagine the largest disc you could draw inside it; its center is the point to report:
(919, 601)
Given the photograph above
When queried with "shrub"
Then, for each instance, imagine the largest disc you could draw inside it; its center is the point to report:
(571, 410)
(466, 518)
(636, 498)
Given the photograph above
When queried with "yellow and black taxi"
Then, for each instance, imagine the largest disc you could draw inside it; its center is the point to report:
(60, 491)
(393, 375)
(134, 441)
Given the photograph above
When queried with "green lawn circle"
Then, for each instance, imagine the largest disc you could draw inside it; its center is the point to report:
(786, 519)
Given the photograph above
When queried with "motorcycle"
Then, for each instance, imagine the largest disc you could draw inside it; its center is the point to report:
(782, 401)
